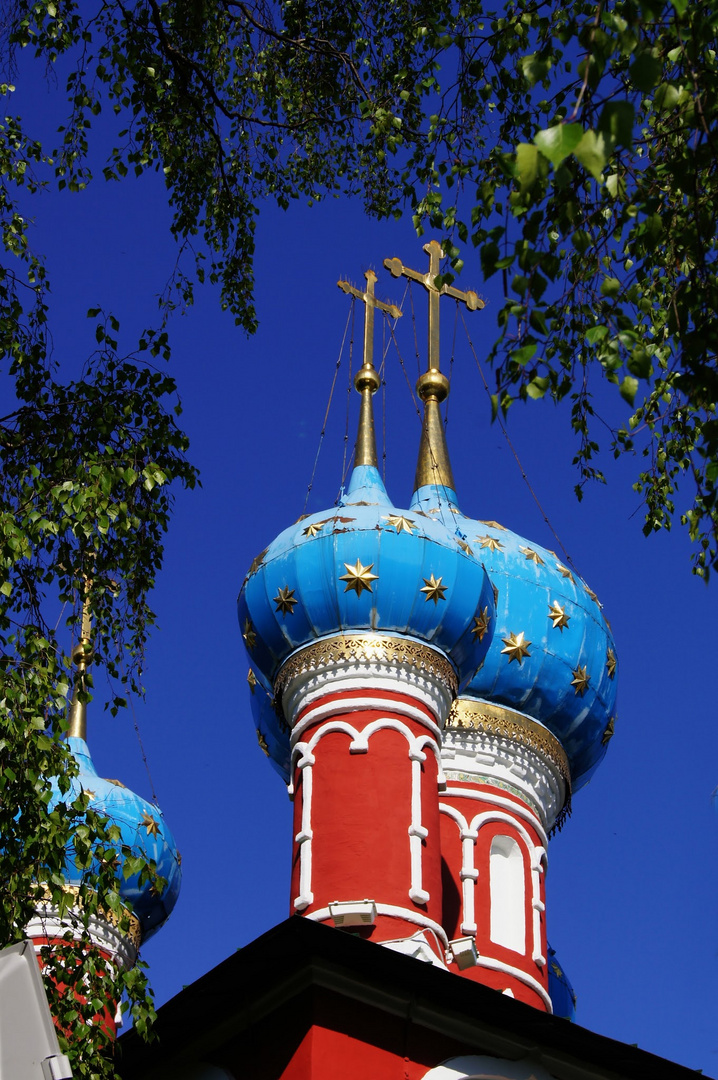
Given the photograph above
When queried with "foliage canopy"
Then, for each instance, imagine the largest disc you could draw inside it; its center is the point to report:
(575, 146)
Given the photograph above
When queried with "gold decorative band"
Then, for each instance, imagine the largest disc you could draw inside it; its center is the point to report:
(488, 719)
(367, 649)
(133, 931)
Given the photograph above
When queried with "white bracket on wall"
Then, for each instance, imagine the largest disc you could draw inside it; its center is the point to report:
(464, 952)
(353, 912)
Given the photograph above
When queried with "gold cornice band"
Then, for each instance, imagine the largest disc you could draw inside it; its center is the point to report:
(368, 649)
(488, 719)
(133, 931)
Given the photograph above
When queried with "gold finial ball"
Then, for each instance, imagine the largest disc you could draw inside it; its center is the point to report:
(367, 378)
(433, 384)
(83, 653)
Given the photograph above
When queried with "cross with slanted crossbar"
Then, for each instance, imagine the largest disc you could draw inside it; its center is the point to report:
(472, 301)
(370, 302)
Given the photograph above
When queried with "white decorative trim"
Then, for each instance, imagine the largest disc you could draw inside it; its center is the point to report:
(469, 834)
(392, 911)
(516, 973)
(506, 804)
(47, 924)
(376, 702)
(478, 755)
(376, 676)
(303, 754)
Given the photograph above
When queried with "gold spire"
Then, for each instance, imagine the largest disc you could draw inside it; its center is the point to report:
(82, 656)
(367, 381)
(433, 467)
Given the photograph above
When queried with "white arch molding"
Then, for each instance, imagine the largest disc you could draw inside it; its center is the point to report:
(476, 1067)
(304, 759)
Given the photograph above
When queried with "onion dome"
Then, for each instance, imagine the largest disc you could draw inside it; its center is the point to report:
(563, 998)
(552, 656)
(143, 832)
(271, 727)
(365, 566)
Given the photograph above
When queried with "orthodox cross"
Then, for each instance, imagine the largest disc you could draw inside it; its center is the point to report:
(472, 301)
(370, 302)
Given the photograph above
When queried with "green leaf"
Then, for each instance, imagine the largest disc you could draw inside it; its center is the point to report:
(593, 152)
(596, 333)
(628, 389)
(534, 68)
(645, 71)
(610, 287)
(524, 354)
(557, 142)
(616, 122)
(527, 165)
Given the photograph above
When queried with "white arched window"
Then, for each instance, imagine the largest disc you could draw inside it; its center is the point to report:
(508, 894)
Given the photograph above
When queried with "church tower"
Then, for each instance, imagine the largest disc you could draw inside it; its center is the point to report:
(146, 900)
(432, 688)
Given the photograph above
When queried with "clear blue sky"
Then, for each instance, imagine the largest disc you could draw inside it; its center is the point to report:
(633, 877)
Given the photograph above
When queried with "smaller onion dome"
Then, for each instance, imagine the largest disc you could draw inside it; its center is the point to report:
(143, 832)
(552, 655)
(563, 998)
(364, 565)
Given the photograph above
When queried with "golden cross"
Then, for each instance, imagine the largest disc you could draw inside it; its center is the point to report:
(370, 302)
(472, 301)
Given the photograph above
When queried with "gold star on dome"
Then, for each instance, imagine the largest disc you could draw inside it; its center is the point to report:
(90, 794)
(314, 528)
(531, 555)
(580, 680)
(252, 680)
(490, 542)
(565, 572)
(609, 732)
(400, 523)
(556, 970)
(150, 824)
(250, 638)
(117, 783)
(481, 624)
(358, 577)
(434, 589)
(464, 547)
(495, 590)
(262, 742)
(285, 600)
(494, 525)
(256, 562)
(592, 594)
(611, 663)
(516, 647)
(558, 616)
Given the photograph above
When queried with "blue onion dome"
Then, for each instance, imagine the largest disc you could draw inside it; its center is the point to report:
(563, 998)
(365, 565)
(552, 656)
(142, 830)
(142, 827)
(271, 727)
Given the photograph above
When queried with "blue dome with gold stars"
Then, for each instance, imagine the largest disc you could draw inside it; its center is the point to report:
(142, 830)
(552, 655)
(365, 565)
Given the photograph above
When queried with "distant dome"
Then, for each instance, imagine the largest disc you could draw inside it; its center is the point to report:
(552, 655)
(142, 830)
(364, 565)
(563, 998)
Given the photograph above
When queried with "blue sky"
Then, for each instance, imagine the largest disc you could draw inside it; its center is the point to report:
(632, 878)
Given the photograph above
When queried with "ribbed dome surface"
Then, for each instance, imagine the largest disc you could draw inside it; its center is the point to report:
(142, 830)
(365, 565)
